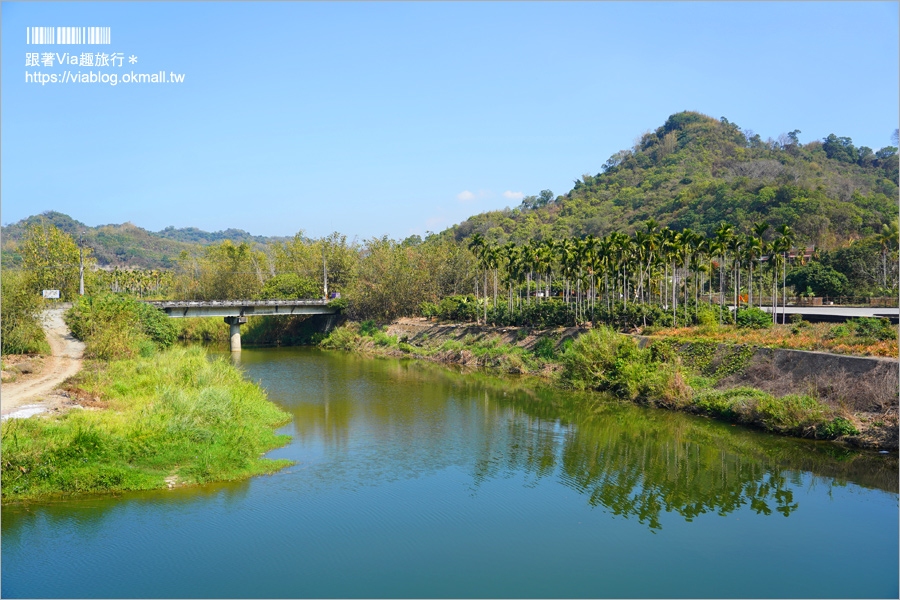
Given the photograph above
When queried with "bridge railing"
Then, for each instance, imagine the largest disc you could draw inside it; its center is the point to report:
(181, 303)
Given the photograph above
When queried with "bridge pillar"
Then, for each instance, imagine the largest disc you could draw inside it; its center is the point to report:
(235, 323)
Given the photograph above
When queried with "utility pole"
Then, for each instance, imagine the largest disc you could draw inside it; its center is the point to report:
(324, 270)
(81, 264)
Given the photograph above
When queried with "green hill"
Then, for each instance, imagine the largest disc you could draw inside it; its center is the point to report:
(126, 245)
(695, 171)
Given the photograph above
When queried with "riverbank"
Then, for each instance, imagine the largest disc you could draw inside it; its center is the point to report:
(174, 418)
(737, 383)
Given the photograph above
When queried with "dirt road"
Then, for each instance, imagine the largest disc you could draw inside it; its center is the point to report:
(31, 394)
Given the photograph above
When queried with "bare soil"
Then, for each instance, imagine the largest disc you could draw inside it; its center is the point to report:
(35, 392)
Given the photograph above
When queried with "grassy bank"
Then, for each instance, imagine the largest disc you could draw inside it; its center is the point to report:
(603, 359)
(857, 337)
(172, 418)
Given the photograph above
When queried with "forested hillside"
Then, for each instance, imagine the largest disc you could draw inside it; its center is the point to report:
(696, 208)
(126, 245)
(697, 172)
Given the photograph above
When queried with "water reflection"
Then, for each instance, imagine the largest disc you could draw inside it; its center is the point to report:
(88, 513)
(414, 481)
(381, 420)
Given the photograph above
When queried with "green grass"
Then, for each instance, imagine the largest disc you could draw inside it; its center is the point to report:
(605, 360)
(176, 413)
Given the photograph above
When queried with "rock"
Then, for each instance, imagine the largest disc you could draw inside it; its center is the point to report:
(29, 366)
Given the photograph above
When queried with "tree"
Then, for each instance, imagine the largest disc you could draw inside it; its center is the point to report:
(822, 280)
(225, 271)
(545, 198)
(290, 286)
(20, 317)
(841, 149)
(51, 259)
(785, 243)
(476, 246)
(888, 240)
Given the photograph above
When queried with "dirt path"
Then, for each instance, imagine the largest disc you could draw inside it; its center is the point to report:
(31, 394)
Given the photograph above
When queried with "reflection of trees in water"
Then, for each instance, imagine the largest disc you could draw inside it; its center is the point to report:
(638, 463)
(641, 477)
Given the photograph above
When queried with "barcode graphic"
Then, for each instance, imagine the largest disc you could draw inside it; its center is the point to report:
(68, 35)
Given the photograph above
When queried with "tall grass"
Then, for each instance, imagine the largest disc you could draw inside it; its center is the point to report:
(605, 360)
(175, 415)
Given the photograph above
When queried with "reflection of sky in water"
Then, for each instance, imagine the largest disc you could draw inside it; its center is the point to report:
(414, 481)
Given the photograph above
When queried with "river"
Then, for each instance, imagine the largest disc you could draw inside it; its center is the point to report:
(413, 480)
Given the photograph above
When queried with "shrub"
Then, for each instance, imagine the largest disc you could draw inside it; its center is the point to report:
(342, 338)
(340, 304)
(837, 427)
(820, 279)
(368, 328)
(20, 314)
(586, 363)
(544, 348)
(836, 332)
(289, 286)
(754, 318)
(452, 308)
(383, 339)
(118, 326)
(880, 329)
(429, 309)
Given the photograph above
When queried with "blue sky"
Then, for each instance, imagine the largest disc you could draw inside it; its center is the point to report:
(400, 118)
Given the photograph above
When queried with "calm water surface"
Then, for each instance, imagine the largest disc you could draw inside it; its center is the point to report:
(416, 481)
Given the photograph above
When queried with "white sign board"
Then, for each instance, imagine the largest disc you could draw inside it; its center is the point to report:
(51, 294)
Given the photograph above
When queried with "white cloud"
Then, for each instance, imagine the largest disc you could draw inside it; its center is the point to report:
(467, 196)
(513, 195)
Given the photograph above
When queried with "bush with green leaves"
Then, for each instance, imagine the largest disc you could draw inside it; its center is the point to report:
(867, 327)
(544, 348)
(753, 318)
(368, 328)
(20, 317)
(289, 286)
(820, 279)
(118, 326)
(837, 427)
(837, 331)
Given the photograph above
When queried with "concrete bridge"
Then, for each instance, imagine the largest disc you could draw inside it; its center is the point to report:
(236, 312)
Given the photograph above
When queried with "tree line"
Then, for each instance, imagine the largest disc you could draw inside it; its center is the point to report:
(654, 275)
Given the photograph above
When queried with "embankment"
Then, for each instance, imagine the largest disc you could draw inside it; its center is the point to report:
(860, 390)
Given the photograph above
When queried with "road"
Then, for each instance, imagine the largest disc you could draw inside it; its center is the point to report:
(31, 394)
(838, 313)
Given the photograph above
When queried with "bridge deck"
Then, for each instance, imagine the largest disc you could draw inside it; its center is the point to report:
(243, 308)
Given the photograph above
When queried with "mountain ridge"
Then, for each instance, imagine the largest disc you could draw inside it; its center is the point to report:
(696, 172)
